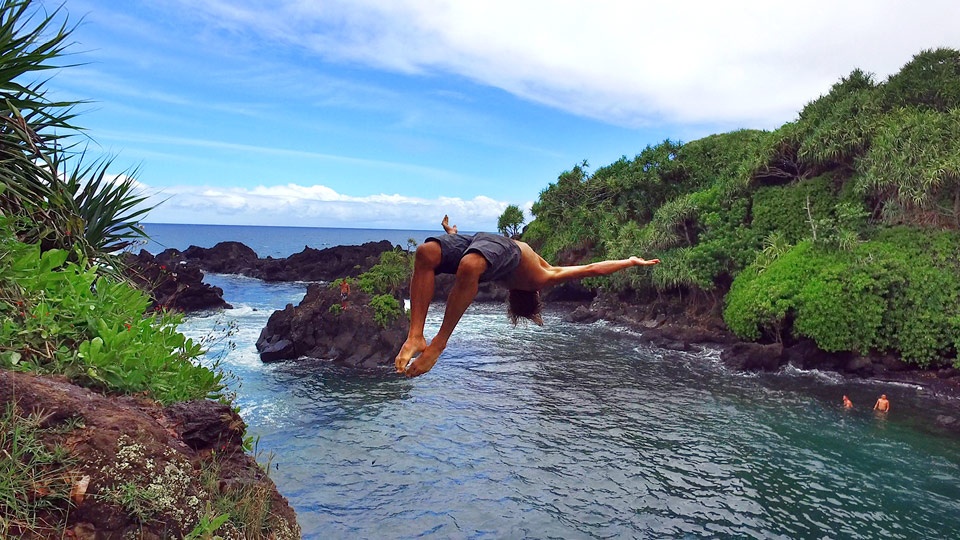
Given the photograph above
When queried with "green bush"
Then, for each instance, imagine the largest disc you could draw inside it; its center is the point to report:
(898, 292)
(386, 309)
(913, 167)
(62, 317)
(931, 79)
(784, 209)
(389, 275)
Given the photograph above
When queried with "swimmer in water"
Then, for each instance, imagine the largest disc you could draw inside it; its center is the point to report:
(883, 405)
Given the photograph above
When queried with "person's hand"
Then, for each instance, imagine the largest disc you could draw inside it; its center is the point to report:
(637, 261)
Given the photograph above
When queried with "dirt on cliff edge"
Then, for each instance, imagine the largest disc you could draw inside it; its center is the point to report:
(137, 469)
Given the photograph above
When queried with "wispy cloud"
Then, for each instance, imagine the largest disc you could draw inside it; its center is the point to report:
(151, 139)
(629, 63)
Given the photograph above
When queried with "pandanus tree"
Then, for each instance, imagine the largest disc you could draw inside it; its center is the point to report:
(56, 195)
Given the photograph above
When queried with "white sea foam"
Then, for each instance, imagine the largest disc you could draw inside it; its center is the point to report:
(831, 377)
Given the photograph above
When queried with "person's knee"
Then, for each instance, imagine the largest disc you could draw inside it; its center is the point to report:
(472, 265)
(428, 255)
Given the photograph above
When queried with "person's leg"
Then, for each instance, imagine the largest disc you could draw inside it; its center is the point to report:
(472, 265)
(426, 260)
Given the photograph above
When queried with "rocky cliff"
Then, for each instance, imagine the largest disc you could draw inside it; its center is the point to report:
(135, 469)
(308, 265)
(322, 326)
(173, 282)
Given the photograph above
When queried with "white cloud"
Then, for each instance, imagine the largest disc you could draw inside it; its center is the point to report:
(748, 62)
(318, 206)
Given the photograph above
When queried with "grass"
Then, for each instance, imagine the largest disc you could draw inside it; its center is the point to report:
(247, 505)
(34, 478)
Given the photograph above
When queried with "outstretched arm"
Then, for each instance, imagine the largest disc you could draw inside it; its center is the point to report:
(561, 274)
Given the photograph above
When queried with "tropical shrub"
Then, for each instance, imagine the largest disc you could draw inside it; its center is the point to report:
(59, 316)
(789, 209)
(930, 80)
(913, 167)
(386, 309)
(898, 292)
(389, 275)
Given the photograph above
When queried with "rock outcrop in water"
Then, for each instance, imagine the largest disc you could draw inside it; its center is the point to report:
(308, 265)
(321, 327)
(173, 283)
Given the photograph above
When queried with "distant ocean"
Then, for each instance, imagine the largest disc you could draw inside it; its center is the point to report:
(271, 241)
(568, 430)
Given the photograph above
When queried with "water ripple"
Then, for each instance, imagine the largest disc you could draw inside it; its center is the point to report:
(574, 431)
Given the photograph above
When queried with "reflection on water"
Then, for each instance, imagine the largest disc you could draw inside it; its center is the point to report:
(572, 431)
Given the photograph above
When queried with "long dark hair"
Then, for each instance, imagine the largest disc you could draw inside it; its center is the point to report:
(524, 304)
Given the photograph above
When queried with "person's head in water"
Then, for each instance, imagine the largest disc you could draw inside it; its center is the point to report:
(524, 304)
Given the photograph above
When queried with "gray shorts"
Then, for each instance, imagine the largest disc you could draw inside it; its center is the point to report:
(502, 254)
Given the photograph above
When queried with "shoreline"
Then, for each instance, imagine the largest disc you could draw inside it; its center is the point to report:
(656, 324)
(921, 397)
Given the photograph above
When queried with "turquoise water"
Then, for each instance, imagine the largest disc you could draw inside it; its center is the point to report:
(577, 431)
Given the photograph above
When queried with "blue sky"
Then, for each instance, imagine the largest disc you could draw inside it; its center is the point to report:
(390, 113)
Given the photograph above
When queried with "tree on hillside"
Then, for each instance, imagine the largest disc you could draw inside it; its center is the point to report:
(510, 221)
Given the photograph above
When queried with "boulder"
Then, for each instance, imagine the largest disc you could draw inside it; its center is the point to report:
(322, 327)
(569, 292)
(132, 441)
(224, 258)
(205, 424)
(582, 314)
(173, 283)
(753, 356)
(673, 336)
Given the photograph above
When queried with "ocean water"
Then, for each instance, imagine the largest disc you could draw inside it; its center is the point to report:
(271, 241)
(578, 431)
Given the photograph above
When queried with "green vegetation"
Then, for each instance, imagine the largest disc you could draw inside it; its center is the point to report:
(65, 307)
(510, 221)
(386, 309)
(61, 317)
(840, 226)
(384, 282)
(61, 200)
(33, 477)
(389, 275)
(244, 507)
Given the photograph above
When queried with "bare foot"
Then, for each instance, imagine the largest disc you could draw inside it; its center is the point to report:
(424, 362)
(412, 347)
(446, 225)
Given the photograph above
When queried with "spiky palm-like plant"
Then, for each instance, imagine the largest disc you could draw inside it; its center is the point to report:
(60, 201)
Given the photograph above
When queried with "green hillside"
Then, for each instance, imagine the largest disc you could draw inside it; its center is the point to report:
(841, 226)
